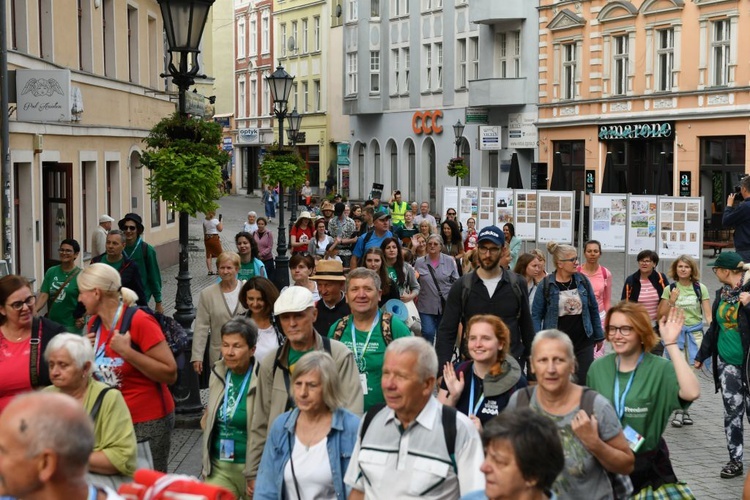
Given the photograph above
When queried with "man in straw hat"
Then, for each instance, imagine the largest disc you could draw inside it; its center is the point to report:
(329, 275)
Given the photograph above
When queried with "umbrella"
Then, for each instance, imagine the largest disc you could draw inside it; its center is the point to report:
(609, 184)
(514, 178)
(558, 176)
(663, 179)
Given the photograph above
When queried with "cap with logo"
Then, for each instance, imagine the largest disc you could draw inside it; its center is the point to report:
(492, 234)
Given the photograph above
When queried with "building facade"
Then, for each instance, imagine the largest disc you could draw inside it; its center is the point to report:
(414, 68)
(87, 92)
(659, 84)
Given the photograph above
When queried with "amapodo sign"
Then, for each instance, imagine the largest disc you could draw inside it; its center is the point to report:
(637, 131)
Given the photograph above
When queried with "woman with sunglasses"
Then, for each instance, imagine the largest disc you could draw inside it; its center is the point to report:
(22, 369)
(566, 302)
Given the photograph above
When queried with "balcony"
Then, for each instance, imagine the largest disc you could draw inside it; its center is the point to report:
(493, 11)
(498, 92)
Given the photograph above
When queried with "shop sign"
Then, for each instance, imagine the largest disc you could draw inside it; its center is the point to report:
(426, 122)
(590, 181)
(478, 116)
(248, 136)
(43, 95)
(684, 183)
(227, 144)
(522, 132)
(489, 138)
(636, 131)
(342, 154)
(195, 104)
(224, 121)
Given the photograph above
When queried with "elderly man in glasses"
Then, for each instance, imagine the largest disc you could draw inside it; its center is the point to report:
(144, 255)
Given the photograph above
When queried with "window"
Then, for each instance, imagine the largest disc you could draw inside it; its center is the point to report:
(155, 212)
(351, 73)
(720, 53)
(253, 98)
(316, 90)
(304, 36)
(374, 71)
(620, 66)
(295, 93)
(461, 49)
(306, 96)
(241, 98)
(569, 71)
(473, 57)
(316, 33)
(170, 214)
(294, 47)
(509, 54)
(396, 71)
(517, 53)
(351, 10)
(283, 40)
(85, 57)
(664, 59)
(427, 48)
(108, 38)
(266, 33)
(502, 41)
(266, 105)
(439, 56)
(133, 50)
(399, 7)
(241, 39)
(253, 37)
(374, 8)
(405, 59)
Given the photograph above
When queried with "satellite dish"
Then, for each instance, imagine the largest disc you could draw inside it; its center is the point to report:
(291, 44)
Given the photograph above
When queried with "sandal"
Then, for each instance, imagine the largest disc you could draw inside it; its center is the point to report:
(676, 421)
(686, 420)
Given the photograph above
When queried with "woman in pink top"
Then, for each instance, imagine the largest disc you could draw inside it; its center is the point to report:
(264, 239)
(601, 281)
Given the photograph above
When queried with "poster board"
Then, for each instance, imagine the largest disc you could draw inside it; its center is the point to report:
(504, 208)
(680, 227)
(555, 217)
(608, 220)
(641, 224)
(450, 199)
(525, 205)
(468, 204)
(486, 208)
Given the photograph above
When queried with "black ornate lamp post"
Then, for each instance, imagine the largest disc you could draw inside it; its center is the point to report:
(280, 84)
(458, 131)
(294, 121)
(184, 21)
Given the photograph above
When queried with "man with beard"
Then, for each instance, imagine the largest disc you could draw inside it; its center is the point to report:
(488, 290)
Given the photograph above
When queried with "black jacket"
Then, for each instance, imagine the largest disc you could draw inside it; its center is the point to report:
(632, 288)
(504, 304)
(130, 277)
(710, 344)
(328, 316)
(49, 330)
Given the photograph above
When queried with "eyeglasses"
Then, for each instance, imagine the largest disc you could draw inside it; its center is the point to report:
(490, 250)
(30, 301)
(129, 228)
(625, 331)
(451, 213)
(572, 259)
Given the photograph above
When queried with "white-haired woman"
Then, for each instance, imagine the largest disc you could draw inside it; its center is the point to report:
(70, 359)
(308, 449)
(132, 355)
(252, 222)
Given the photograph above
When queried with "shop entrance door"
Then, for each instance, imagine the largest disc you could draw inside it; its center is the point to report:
(57, 187)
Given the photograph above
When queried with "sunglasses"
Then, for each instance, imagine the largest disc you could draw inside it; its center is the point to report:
(129, 228)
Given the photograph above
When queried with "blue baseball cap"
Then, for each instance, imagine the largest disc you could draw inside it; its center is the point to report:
(492, 234)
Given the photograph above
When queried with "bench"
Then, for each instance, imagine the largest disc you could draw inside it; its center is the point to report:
(716, 246)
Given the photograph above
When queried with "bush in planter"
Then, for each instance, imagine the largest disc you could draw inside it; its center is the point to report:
(457, 168)
(285, 167)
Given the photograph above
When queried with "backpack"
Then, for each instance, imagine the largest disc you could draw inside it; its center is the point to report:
(175, 335)
(449, 428)
(696, 289)
(385, 327)
(512, 278)
(622, 486)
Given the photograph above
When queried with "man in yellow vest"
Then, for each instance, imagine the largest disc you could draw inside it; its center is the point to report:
(398, 209)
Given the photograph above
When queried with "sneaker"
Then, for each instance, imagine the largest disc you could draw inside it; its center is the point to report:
(731, 469)
(686, 420)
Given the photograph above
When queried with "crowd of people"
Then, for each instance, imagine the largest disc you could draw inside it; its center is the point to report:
(495, 382)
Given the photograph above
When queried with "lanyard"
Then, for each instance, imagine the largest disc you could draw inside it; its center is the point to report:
(100, 348)
(227, 416)
(357, 356)
(473, 411)
(137, 243)
(92, 492)
(620, 398)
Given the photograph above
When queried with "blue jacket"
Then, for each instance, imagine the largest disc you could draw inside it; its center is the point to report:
(341, 440)
(544, 311)
(738, 217)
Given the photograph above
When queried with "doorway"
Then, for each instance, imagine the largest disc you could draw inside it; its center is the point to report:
(57, 189)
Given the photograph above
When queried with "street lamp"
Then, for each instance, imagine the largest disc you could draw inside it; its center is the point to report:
(184, 21)
(280, 84)
(458, 131)
(294, 121)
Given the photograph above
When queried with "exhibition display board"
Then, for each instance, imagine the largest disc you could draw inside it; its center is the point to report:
(486, 215)
(680, 227)
(555, 216)
(641, 223)
(504, 207)
(608, 220)
(468, 204)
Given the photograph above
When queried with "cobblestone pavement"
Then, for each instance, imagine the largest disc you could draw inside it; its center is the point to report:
(698, 452)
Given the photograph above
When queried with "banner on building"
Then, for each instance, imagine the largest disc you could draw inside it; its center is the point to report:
(43, 95)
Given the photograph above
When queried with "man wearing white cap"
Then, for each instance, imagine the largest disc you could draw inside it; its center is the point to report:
(99, 238)
(295, 309)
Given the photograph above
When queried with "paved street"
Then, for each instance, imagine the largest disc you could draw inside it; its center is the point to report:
(698, 452)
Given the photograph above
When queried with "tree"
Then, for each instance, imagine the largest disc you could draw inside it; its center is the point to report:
(185, 159)
(283, 167)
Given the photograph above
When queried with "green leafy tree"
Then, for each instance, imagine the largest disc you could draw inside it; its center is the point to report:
(285, 167)
(185, 160)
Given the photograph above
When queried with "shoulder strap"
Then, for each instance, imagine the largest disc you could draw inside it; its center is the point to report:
(36, 352)
(326, 343)
(98, 403)
(340, 326)
(385, 327)
(513, 280)
(127, 318)
(587, 400)
(465, 290)
(59, 290)
(524, 398)
(449, 433)
(367, 420)
(545, 284)
(144, 249)
(697, 290)
(672, 285)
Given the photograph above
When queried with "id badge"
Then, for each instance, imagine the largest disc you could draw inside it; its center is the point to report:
(363, 381)
(226, 452)
(634, 439)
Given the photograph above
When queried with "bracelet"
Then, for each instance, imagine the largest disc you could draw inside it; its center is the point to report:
(671, 343)
(672, 304)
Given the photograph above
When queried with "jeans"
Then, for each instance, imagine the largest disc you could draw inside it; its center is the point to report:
(430, 324)
(689, 334)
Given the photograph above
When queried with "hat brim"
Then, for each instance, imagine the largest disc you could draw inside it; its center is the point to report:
(328, 277)
(121, 224)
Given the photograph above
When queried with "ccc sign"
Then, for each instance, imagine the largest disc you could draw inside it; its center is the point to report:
(426, 122)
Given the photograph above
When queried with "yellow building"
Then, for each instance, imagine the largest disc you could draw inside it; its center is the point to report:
(87, 92)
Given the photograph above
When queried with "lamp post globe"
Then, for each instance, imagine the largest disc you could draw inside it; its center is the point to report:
(184, 22)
